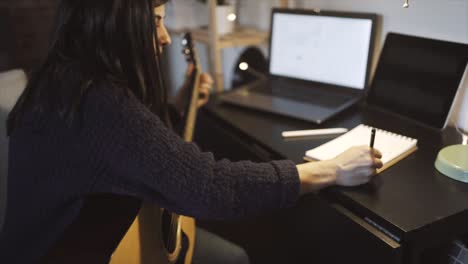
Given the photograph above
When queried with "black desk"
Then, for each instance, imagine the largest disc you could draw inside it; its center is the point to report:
(419, 209)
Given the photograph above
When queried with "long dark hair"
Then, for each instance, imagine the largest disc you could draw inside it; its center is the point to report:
(95, 41)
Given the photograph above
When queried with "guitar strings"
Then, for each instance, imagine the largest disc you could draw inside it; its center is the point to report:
(174, 222)
(170, 234)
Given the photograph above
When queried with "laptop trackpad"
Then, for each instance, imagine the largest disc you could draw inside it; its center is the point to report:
(278, 105)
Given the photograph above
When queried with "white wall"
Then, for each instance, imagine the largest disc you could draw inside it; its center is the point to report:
(439, 19)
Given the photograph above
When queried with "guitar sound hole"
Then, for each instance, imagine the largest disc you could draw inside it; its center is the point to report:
(169, 231)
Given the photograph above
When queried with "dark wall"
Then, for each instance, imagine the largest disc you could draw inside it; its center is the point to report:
(25, 28)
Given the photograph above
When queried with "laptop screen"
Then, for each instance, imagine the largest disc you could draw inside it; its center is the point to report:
(321, 48)
(419, 77)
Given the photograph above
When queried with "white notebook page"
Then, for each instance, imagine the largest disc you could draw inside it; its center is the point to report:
(390, 144)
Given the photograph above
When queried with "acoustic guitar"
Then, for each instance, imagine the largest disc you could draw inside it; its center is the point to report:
(157, 235)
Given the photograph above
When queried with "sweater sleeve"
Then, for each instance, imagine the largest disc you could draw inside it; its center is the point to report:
(137, 155)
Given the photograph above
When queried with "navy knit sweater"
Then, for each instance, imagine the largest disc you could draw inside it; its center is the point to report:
(117, 146)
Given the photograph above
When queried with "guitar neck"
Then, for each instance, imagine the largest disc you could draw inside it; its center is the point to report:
(191, 115)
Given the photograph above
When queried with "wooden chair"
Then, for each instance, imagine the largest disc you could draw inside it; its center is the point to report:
(12, 84)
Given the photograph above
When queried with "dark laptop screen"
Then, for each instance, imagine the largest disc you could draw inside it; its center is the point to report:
(418, 77)
(332, 48)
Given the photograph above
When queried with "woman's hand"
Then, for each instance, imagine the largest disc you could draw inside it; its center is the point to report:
(205, 86)
(353, 167)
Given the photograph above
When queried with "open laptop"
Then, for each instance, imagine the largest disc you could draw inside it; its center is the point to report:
(419, 78)
(319, 64)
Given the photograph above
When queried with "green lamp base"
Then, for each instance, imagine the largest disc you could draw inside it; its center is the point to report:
(452, 161)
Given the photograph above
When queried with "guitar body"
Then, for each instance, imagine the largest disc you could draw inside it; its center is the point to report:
(143, 243)
(158, 236)
(188, 227)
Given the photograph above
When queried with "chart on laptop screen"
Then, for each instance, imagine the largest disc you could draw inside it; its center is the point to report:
(324, 49)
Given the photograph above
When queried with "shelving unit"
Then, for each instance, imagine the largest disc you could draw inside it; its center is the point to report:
(243, 36)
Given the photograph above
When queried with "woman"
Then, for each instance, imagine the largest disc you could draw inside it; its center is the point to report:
(90, 139)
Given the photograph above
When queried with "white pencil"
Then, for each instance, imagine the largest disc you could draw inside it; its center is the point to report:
(314, 132)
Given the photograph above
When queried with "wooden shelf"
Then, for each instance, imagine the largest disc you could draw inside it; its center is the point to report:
(241, 37)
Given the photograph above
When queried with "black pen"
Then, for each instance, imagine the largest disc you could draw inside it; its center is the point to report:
(372, 138)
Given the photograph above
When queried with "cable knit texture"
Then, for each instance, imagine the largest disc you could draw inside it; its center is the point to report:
(118, 146)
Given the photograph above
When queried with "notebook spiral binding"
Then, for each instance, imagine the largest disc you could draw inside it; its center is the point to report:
(390, 133)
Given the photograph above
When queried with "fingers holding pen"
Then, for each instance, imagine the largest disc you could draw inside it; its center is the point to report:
(355, 166)
(376, 157)
(376, 153)
(377, 164)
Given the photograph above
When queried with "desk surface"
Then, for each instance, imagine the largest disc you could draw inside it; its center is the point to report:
(410, 199)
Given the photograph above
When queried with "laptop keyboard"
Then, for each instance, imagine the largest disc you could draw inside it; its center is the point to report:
(303, 94)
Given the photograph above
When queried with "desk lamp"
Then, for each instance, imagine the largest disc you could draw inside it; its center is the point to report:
(250, 66)
(452, 161)
(244, 66)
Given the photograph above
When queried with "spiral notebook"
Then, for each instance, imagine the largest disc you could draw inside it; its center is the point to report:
(394, 147)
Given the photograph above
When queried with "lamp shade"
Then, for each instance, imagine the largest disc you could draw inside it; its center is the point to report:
(460, 113)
